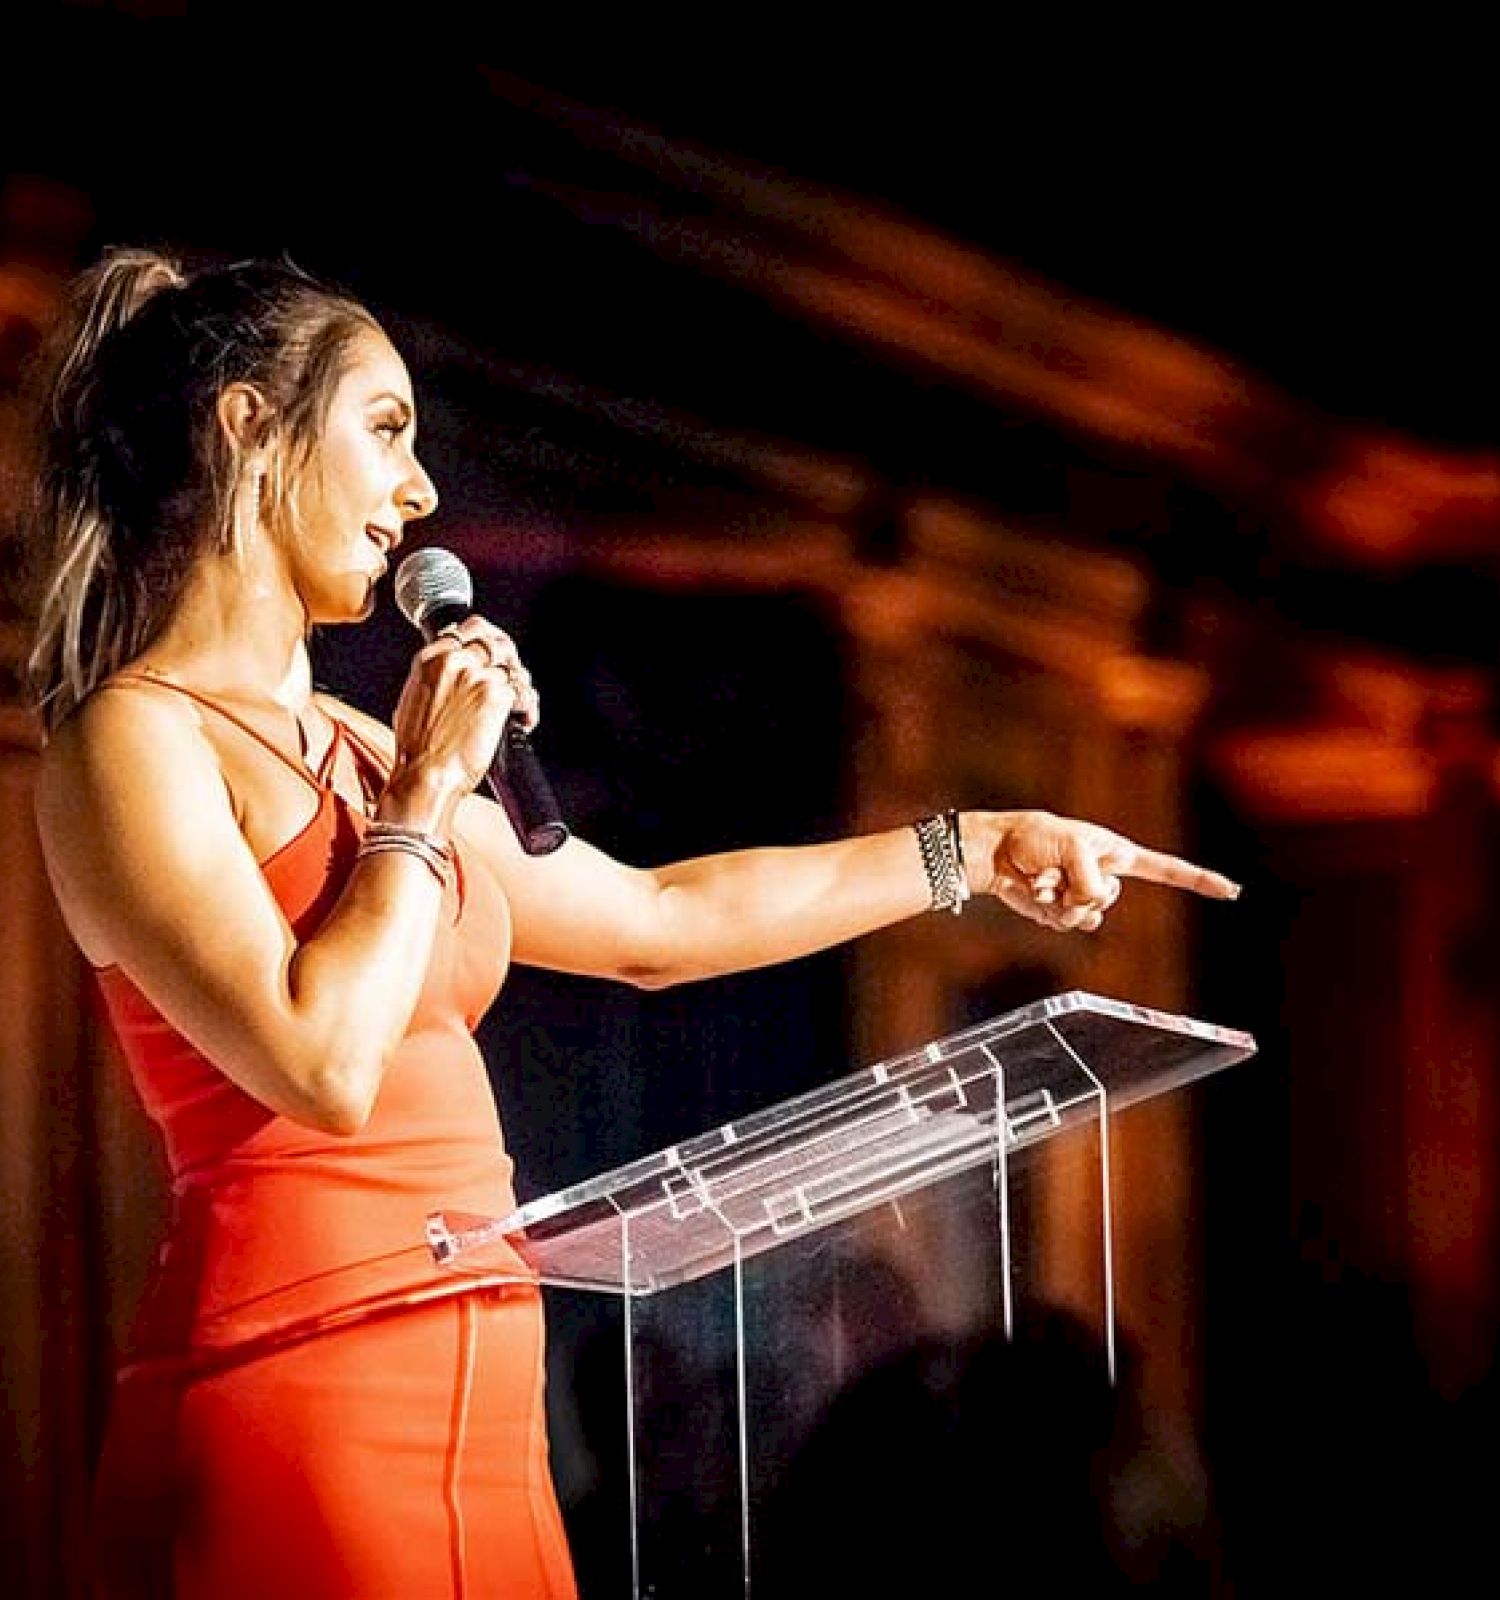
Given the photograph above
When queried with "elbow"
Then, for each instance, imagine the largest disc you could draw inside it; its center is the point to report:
(341, 1101)
(660, 968)
(341, 1119)
(649, 976)
(660, 949)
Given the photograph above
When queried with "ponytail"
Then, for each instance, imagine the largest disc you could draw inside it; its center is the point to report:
(137, 480)
(86, 626)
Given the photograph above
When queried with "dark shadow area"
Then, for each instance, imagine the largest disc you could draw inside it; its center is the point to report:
(1337, 1468)
(978, 1466)
(682, 1515)
(675, 727)
(1338, 1465)
(900, 1461)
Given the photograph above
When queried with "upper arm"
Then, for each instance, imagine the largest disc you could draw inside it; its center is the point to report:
(575, 910)
(153, 875)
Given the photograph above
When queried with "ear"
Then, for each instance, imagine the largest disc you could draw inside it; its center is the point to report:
(244, 415)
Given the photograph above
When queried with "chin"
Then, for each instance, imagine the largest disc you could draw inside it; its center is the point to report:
(344, 608)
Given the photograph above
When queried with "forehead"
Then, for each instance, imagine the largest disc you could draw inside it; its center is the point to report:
(373, 368)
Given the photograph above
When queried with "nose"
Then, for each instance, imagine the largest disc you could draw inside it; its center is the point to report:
(418, 496)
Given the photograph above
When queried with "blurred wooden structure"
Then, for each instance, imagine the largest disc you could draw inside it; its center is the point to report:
(988, 662)
(82, 1196)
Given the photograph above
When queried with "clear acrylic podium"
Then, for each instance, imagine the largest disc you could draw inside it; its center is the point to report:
(765, 1269)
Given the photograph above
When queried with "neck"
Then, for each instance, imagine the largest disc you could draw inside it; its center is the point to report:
(236, 632)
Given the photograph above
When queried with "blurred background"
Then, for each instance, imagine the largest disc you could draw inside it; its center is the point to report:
(849, 422)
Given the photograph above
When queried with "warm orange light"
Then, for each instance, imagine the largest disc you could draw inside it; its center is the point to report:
(886, 279)
(1394, 501)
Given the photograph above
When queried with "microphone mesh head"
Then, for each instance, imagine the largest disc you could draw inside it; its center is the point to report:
(429, 578)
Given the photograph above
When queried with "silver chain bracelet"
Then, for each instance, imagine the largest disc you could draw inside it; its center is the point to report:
(943, 860)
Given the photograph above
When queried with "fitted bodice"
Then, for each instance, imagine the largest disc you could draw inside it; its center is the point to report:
(277, 1226)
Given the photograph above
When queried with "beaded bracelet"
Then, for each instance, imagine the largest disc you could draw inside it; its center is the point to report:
(436, 853)
(942, 860)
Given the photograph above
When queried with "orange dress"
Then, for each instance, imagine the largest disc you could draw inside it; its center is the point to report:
(310, 1408)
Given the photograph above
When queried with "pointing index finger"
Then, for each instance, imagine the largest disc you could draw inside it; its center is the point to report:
(1155, 866)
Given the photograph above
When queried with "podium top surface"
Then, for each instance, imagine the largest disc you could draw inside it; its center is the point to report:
(852, 1143)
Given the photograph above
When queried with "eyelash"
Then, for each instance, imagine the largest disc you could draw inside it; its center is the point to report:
(392, 428)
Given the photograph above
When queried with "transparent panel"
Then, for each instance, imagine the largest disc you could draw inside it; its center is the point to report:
(807, 1292)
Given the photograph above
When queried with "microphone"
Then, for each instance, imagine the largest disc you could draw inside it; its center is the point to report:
(433, 590)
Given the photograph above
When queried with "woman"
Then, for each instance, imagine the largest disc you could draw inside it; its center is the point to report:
(297, 917)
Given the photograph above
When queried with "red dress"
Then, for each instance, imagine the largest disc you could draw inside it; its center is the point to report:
(310, 1408)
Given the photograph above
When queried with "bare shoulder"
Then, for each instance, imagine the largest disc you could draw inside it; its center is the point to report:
(120, 734)
(114, 783)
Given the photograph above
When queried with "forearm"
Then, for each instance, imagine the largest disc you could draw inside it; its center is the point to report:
(579, 911)
(352, 987)
(751, 908)
(350, 991)
(152, 867)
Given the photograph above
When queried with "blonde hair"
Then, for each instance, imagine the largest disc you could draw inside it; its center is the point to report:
(136, 479)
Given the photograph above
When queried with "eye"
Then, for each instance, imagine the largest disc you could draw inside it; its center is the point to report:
(392, 428)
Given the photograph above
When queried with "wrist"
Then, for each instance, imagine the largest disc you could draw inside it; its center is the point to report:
(981, 834)
(393, 838)
(420, 799)
(941, 847)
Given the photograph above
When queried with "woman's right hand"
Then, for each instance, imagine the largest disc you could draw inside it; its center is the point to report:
(458, 696)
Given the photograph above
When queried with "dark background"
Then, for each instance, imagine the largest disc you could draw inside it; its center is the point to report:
(1313, 202)
(1310, 198)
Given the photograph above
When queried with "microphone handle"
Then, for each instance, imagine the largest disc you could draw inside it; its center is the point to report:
(517, 781)
(515, 777)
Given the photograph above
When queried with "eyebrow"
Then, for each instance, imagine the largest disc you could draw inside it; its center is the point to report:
(389, 396)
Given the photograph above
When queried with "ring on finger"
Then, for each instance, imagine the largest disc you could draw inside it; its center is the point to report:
(491, 656)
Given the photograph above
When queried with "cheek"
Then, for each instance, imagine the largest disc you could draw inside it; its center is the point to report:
(328, 505)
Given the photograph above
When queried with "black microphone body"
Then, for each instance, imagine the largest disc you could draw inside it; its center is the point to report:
(434, 592)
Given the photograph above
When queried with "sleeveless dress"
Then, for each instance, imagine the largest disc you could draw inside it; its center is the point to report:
(310, 1408)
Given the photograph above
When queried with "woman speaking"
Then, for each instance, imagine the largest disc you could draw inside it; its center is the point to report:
(297, 916)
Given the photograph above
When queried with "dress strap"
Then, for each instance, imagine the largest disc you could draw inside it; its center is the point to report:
(374, 772)
(331, 750)
(317, 781)
(374, 767)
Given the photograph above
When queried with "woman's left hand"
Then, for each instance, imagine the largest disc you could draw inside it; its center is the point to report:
(1066, 874)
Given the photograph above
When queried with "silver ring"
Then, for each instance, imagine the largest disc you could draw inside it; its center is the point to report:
(484, 645)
